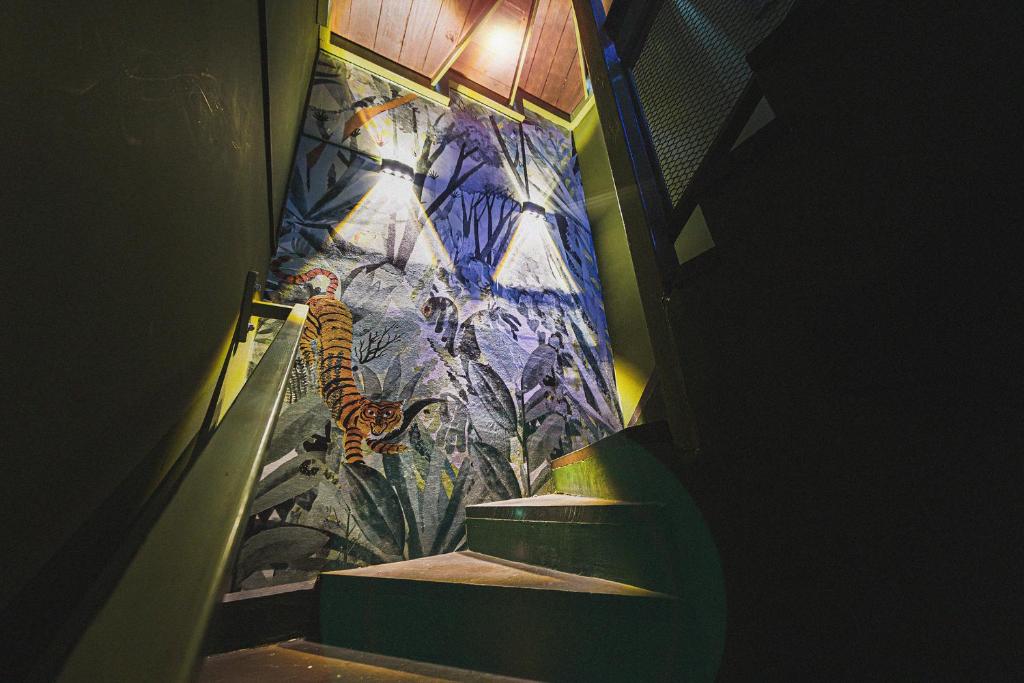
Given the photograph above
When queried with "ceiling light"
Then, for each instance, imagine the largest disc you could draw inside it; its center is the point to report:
(397, 169)
(535, 210)
(503, 40)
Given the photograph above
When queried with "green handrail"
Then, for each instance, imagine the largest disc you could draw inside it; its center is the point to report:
(152, 626)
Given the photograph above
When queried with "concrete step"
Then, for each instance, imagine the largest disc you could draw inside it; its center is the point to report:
(485, 613)
(301, 661)
(610, 539)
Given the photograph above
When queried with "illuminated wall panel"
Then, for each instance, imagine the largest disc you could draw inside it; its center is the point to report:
(484, 321)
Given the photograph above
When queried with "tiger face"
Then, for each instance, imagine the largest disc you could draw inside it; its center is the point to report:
(381, 417)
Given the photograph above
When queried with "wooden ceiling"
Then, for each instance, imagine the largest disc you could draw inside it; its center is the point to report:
(507, 47)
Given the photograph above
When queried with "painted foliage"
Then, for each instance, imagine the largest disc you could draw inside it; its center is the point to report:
(484, 322)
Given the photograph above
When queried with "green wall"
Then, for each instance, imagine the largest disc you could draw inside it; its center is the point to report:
(135, 200)
(292, 42)
(627, 326)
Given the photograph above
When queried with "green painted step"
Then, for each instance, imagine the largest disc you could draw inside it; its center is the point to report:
(641, 464)
(303, 661)
(484, 613)
(610, 539)
(633, 464)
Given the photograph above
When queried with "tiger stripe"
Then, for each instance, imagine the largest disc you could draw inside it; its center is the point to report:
(327, 334)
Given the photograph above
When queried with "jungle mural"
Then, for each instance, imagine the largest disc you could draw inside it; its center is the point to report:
(456, 343)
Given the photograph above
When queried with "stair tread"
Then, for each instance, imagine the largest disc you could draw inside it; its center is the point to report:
(556, 499)
(467, 567)
(568, 509)
(298, 661)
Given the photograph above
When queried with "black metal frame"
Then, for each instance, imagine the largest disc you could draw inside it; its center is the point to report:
(628, 23)
(716, 154)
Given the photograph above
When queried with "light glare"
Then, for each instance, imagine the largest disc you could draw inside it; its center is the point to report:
(503, 41)
(397, 169)
(532, 260)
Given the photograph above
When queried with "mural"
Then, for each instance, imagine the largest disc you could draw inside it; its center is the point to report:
(458, 342)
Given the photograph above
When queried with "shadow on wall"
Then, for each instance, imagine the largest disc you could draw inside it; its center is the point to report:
(471, 348)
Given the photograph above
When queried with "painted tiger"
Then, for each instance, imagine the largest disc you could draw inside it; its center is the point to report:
(328, 333)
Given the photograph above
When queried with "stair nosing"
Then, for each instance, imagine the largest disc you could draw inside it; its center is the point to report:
(633, 592)
(609, 512)
(568, 502)
(577, 522)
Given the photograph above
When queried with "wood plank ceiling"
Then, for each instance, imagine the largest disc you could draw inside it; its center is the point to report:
(481, 40)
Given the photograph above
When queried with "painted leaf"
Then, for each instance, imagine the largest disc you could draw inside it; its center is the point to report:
(476, 492)
(423, 450)
(401, 476)
(455, 433)
(432, 498)
(393, 377)
(589, 395)
(352, 553)
(591, 359)
(406, 393)
(287, 482)
(539, 365)
(375, 506)
(494, 395)
(297, 422)
(313, 239)
(371, 388)
(542, 442)
(313, 156)
(540, 479)
(449, 469)
(283, 472)
(584, 409)
(277, 548)
(496, 471)
(454, 518)
(296, 193)
(538, 405)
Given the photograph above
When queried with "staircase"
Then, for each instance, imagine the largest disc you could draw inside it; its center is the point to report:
(482, 612)
(586, 584)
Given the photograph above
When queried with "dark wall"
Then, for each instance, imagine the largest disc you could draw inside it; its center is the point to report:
(850, 359)
(135, 200)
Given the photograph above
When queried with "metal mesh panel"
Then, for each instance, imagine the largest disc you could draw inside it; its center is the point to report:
(691, 73)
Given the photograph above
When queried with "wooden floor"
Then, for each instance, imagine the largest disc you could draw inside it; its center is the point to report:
(299, 661)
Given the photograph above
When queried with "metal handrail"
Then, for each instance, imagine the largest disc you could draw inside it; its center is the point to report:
(152, 626)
